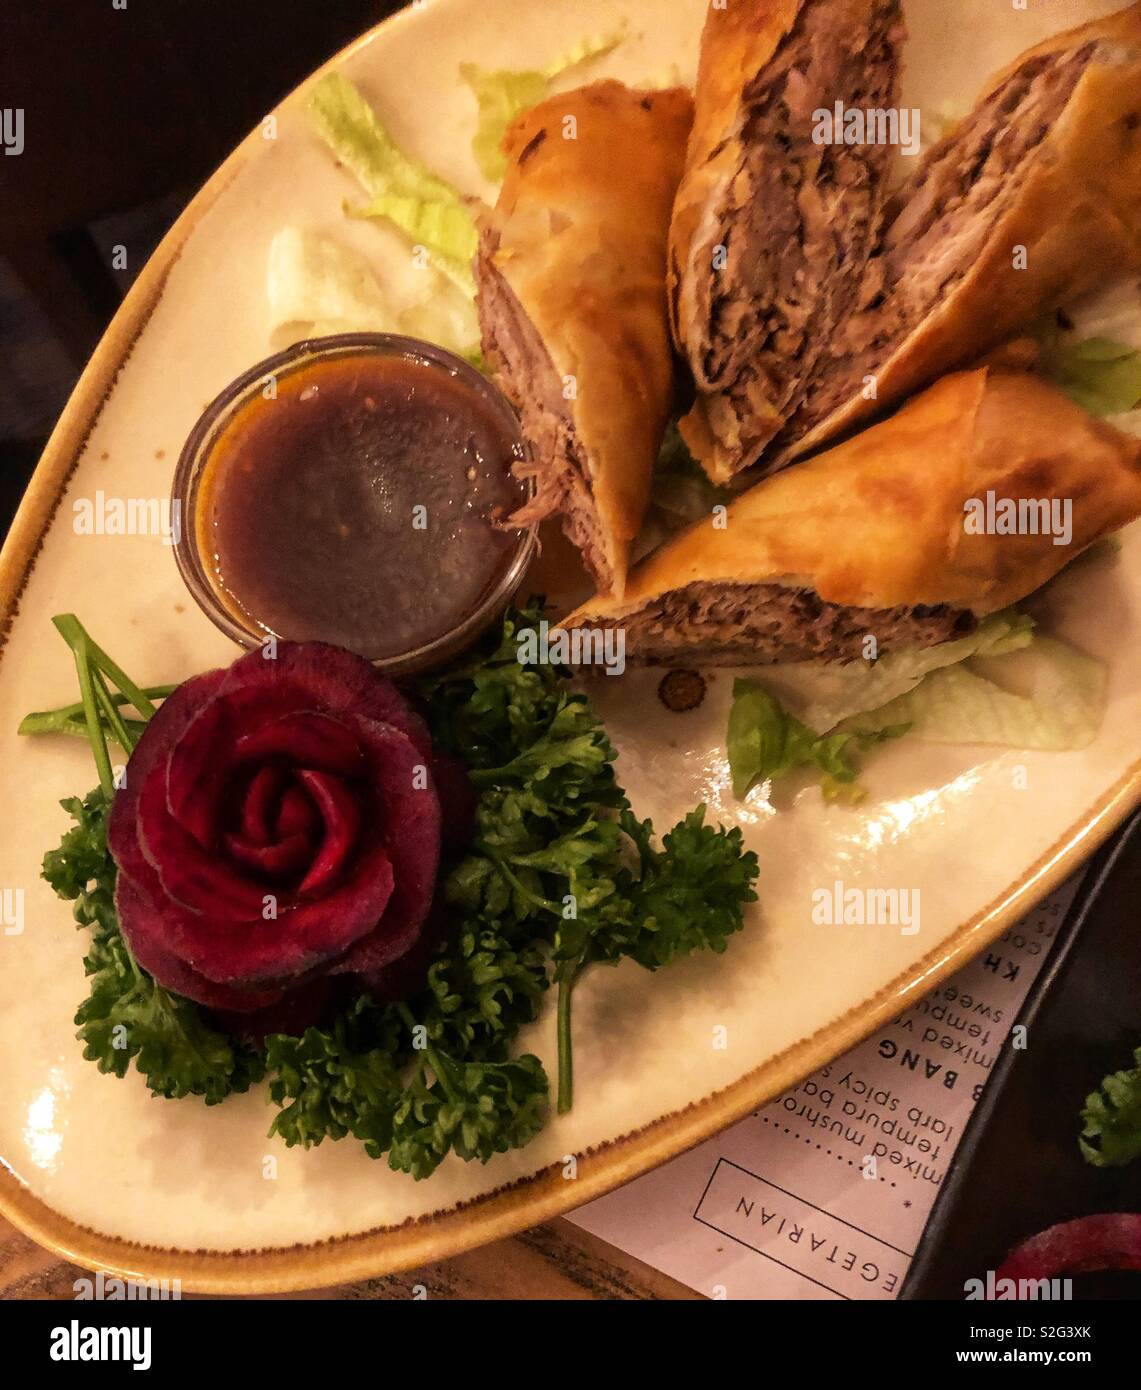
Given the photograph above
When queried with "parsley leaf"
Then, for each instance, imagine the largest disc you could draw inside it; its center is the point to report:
(550, 862)
(477, 1109)
(690, 894)
(481, 992)
(1111, 1133)
(337, 1081)
(378, 1074)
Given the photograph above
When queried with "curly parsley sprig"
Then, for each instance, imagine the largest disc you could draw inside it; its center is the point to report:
(553, 828)
(1111, 1132)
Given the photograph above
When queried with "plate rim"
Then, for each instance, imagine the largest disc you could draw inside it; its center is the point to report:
(543, 1195)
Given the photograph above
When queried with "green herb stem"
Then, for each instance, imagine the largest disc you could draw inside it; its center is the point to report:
(74, 635)
(565, 1045)
(111, 713)
(135, 694)
(70, 719)
(443, 1075)
(430, 1056)
(513, 879)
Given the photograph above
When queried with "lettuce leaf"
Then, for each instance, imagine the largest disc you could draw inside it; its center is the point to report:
(1103, 376)
(1059, 708)
(1129, 422)
(765, 741)
(448, 319)
(317, 285)
(500, 96)
(823, 696)
(503, 94)
(445, 230)
(1002, 686)
(351, 128)
(401, 189)
(681, 490)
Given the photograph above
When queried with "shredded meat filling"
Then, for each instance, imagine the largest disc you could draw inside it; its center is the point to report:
(556, 462)
(761, 624)
(797, 216)
(940, 220)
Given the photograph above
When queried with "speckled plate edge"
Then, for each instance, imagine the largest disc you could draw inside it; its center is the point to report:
(546, 1194)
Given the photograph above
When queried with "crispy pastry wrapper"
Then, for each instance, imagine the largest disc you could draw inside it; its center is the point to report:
(579, 238)
(879, 520)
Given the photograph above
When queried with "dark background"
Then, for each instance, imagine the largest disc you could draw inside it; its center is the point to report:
(126, 113)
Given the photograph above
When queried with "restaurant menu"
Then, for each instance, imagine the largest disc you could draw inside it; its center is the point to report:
(824, 1192)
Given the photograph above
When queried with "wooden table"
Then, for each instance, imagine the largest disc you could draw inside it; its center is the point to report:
(555, 1261)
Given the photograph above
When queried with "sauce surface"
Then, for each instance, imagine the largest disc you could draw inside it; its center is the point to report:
(358, 506)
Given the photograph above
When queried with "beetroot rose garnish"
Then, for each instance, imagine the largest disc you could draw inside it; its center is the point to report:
(279, 824)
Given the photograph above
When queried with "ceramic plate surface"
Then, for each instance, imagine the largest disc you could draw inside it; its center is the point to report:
(101, 1171)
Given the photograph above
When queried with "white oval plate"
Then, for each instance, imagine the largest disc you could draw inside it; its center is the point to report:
(113, 1178)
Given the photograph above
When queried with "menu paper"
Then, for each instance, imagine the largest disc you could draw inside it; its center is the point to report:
(824, 1192)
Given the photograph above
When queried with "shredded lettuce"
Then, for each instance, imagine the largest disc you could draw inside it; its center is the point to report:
(448, 319)
(823, 696)
(669, 76)
(1002, 686)
(500, 96)
(1059, 706)
(1111, 311)
(1128, 423)
(401, 189)
(503, 94)
(1092, 350)
(446, 231)
(316, 285)
(591, 46)
(681, 490)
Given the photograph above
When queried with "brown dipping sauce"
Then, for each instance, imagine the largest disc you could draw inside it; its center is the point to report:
(359, 505)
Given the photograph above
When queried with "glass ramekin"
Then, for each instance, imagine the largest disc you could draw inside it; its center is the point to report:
(196, 569)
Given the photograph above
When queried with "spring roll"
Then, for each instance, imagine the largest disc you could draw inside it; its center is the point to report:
(773, 226)
(572, 304)
(1033, 199)
(903, 532)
